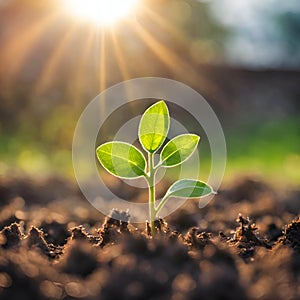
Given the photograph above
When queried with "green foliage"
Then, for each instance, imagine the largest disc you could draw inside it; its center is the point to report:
(122, 159)
(126, 161)
(154, 126)
(179, 149)
(189, 188)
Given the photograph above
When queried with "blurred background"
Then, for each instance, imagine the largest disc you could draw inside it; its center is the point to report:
(242, 56)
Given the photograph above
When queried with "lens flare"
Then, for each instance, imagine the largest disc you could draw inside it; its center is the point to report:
(100, 11)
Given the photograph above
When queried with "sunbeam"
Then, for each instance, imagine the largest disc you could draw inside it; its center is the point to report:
(101, 12)
(52, 66)
(95, 56)
(120, 57)
(20, 46)
(80, 82)
(169, 58)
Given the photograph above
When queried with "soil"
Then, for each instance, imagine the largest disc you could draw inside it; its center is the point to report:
(245, 244)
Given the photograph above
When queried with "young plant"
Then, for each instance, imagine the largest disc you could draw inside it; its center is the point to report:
(126, 161)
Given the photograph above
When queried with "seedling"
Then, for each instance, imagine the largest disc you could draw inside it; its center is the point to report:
(124, 160)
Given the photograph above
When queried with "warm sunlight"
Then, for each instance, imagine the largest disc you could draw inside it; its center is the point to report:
(100, 11)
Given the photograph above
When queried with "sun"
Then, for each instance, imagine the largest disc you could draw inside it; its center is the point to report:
(104, 12)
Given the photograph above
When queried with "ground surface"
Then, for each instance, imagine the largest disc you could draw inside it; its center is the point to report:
(54, 245)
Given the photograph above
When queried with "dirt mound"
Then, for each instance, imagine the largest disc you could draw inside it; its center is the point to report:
(56, 253)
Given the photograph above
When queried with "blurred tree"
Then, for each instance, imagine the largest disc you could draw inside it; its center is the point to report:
(288, 26)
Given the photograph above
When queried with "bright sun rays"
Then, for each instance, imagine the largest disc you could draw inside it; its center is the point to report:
(95, 49)
(100, 11)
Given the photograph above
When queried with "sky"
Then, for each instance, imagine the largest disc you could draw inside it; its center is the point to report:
(263, 31)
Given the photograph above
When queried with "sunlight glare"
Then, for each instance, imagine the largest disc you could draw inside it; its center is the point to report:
(100, 11)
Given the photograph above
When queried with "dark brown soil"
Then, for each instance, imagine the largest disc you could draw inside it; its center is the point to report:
(54, 245)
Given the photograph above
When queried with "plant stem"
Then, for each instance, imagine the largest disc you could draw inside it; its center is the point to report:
(161, 204)
(151, 182)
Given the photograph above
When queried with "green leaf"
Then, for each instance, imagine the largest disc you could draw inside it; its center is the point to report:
(189, 188)
(122, 159)
(154, 126)
(179, 149)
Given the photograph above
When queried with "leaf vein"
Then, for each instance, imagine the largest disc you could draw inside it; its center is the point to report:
(124, 159)
(177, 150)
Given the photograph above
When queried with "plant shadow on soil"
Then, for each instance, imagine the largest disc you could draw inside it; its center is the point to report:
(54, 245)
